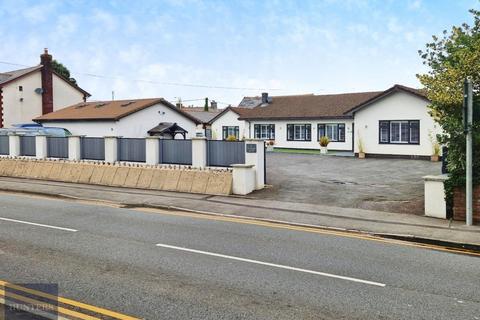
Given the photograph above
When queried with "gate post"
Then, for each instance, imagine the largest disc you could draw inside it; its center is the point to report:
(255, 155)
(199, 152)
(74, 148)
(152, 150)
(14, 145)
(41, 146)
(111, 149)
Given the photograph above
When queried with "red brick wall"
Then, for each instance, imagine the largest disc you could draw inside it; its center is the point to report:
(459, 204)
(47, 82)
(1, 108)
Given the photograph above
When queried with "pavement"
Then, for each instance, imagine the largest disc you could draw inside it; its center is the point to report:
(166, 264)
(391, 185)
(413, 227)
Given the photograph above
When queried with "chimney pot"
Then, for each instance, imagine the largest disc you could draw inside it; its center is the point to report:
(213, 105)
(264, 97)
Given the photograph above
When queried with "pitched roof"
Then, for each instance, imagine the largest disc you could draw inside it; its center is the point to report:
(200, 114)
(326, 106)
(107, 110)
(166, 127)
(7, 77)
(238, 110)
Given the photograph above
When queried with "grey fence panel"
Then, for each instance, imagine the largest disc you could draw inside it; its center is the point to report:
(131, 149)
(92, 148)
(176, 151)
(4, 145)
(225, 153)
(27, 146)
(57, 147)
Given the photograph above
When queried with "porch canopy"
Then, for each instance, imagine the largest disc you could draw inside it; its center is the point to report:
(168, 130)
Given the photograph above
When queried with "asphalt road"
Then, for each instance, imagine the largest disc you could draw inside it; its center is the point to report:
(169, 266)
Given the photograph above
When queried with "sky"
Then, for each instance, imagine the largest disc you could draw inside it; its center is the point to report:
(225, 50)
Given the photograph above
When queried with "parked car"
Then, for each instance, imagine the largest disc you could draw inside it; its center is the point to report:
(35, 131)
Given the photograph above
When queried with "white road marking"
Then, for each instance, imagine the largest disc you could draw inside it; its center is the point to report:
(38, 224)
(324, 274)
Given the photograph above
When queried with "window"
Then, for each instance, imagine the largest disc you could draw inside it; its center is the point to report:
(230, 131)
(264, 131)
(20, 88)
(299, 132)
(334, 131)
(399, 131)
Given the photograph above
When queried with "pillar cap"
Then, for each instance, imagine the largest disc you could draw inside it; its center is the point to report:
(241, 165)
(112, 137)
(153, 137)
(76, 136)
(253, 140)
(441, 177)
(199, 138)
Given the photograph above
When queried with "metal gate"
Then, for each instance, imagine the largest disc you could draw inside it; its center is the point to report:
(131, 149)
(27, 146)
(92, 148)
(176, 151)
(57, 147)
(225, 153)
(4, 145)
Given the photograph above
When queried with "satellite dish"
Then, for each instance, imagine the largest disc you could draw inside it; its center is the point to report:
(38, 90)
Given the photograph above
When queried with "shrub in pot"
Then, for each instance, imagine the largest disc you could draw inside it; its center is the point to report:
(361, 149)
(270, 144)
(231, 138)
(324, 141)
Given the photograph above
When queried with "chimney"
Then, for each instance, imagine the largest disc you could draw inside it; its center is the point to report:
(47, 82)
(213, 105)
(264, 97)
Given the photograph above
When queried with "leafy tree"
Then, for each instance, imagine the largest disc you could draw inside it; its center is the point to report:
(63, 71)
(451, 58)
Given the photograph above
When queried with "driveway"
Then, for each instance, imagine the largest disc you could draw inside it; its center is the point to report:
(393, 185)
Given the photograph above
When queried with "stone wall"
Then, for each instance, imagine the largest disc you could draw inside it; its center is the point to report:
(459, 200)
(154, 177)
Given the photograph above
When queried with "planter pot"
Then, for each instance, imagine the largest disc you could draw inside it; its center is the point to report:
(323, 150)
(269, 148)
(361, 155)
(434, 158)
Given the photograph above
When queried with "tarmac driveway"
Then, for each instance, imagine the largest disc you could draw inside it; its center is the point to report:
(393, 185)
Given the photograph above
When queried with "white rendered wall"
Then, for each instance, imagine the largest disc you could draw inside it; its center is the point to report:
(281, 134)
(16, 111)
(64, 94)
(229, 118)
(397, 106)
(135, 125)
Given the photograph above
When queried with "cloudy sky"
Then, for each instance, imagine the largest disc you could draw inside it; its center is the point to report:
(225, 50)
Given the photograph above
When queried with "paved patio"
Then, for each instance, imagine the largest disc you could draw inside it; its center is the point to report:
(393, 185)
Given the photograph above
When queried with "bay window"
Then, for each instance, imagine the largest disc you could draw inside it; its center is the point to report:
(230, 131)
(399, 132)
(264, 131)
(299, 132)
(334, 131)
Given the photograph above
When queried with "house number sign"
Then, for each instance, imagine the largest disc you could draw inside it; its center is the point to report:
(251, 148)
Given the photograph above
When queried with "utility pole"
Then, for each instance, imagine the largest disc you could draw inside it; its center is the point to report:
(468, 118)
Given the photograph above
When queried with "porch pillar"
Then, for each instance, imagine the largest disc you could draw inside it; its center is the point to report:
(199, 152)
(152, 149)
(111, 149)
(255, 155)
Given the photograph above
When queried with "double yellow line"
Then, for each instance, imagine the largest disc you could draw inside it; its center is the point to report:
(68, 309)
